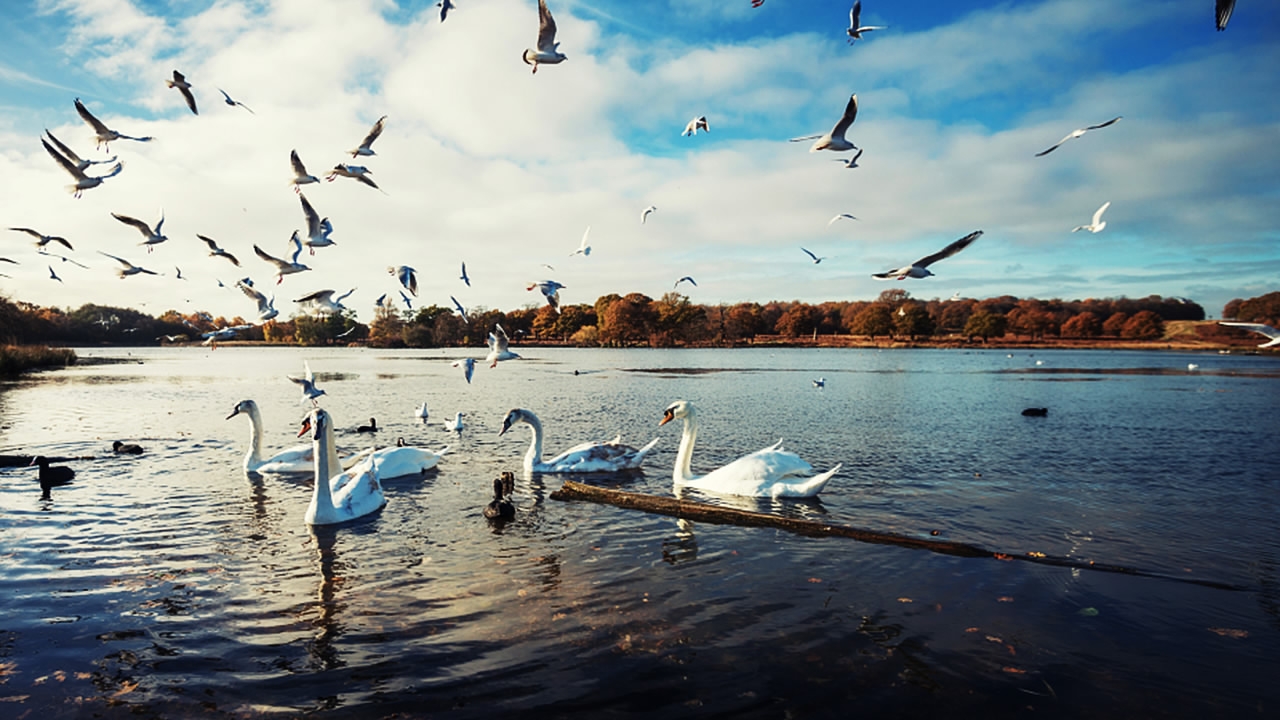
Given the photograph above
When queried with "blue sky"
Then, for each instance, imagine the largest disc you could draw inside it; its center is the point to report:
(486, 163)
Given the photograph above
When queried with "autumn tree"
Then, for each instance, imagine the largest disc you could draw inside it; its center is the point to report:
(1114, 325)
(1144, 325)
(796, 320)
(913, 320)
(1084, 325)
(874, 319)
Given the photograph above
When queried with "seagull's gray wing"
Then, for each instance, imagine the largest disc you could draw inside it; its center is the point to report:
(1222, 12)
(949, 250)
(64, 162)
(1112, 121)
(298, 167)
(373, 132)
(850, 114)
(88, 117)
(313, 217)
(71, 155)
(142, 227)
(546, 28)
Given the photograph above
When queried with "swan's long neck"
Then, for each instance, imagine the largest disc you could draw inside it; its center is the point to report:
(533, 457)
(253, 458)
(321, 510)
(684, 456)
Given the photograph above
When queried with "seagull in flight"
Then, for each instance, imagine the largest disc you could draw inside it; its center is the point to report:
(851, 162)
(284, 267)
(105, 135)
(180, 81)
(687, 279)
(227, 99)
(60, 257)
(128, 267)
(308, 384)
(300, 174)
(80, 163)
(1222, 12)
(1077, 133)
(324, 302)
(445, 6)
(1098, 223)
(550, 290)
(583, 247)
(408, 302)
(464, 277)
(1259, 328)
(266, 305)
(83, 182)
(816, 259)
(461, 310)
(696, 124)
(42, 239)
(407, 276)
(835, 140)
(355, 172)
(151, 237)
(53, 275)
(920, 268)
(366, 145)
(215, 251)
(498, 347)
(548, 52)
(468, 366)
(855, 27)
(845, 216)
(317, 230)
(644, 214)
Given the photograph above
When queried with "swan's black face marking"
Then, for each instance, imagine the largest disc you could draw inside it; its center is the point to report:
(306, 426)
(667, 416)
(511, 419)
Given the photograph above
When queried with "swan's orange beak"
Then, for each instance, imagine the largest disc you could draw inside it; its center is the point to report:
(667, 416)
(306, 426)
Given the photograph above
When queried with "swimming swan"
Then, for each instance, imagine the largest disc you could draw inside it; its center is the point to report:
(297, 459)
(771, 472)
(343, 496)
(609, 456)
(405, 460)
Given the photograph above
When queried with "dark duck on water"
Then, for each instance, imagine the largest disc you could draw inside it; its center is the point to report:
(51, 476)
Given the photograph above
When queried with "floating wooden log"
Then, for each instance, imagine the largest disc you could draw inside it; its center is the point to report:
(719, 515)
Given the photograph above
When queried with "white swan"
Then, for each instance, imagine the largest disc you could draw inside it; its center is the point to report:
(347, 495)
(405, 460)
(609, 456)
(771, 472)
(297, 459)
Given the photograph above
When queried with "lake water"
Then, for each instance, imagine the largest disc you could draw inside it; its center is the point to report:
(171, 585)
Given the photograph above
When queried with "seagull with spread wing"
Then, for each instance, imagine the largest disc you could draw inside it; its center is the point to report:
(583, 247)
(696, 124)
(355, 172)
(464, 277)
(285, 267)
(1098, 223)
(366, 145)
(687, 279)
(266, 305)
(644, 214)
(128, 267)
(228, 100)
(42, 239)
(835, 140)
(318, 230)
(105, 135)
(461, 310)
(80, 163)
(151, 237)
(300, 174)
(180, 81)
(215, 251)
(856, 28)
(407, 276)
(815, 258)
(920, 268)
(1077, 133)
(548, 50)
(550, 290)
(83, 182)
(1259, 328)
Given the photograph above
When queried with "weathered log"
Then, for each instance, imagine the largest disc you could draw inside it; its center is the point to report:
(719, 515)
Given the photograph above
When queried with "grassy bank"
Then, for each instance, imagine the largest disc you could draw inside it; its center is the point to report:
(15, 359)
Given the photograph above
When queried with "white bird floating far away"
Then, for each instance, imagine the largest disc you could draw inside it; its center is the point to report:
(1098, 223)
(1077, 133)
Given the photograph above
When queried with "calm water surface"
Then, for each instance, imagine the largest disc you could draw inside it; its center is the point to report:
(171, 585)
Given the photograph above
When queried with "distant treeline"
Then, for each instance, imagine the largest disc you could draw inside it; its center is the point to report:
(638, 320)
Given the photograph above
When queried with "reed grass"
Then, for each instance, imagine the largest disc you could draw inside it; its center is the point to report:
(17, 359)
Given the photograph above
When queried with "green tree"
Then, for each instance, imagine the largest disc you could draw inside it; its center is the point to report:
(985, 325)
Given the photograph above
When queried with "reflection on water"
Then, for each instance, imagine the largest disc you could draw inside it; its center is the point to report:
(172, 585)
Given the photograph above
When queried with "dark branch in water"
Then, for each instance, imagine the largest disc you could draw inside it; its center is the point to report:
(691, 510)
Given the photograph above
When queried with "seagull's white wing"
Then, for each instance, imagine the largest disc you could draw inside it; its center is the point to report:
(1097, 216)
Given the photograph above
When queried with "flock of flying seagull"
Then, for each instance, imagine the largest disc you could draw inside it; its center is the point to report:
(318, 230)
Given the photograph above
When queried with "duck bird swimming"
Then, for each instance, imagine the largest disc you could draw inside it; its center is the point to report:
(500, 508)
(611, 456)
(771, 472)
(372, 427)
(51, 475)
(123, 448)
(341, 496)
